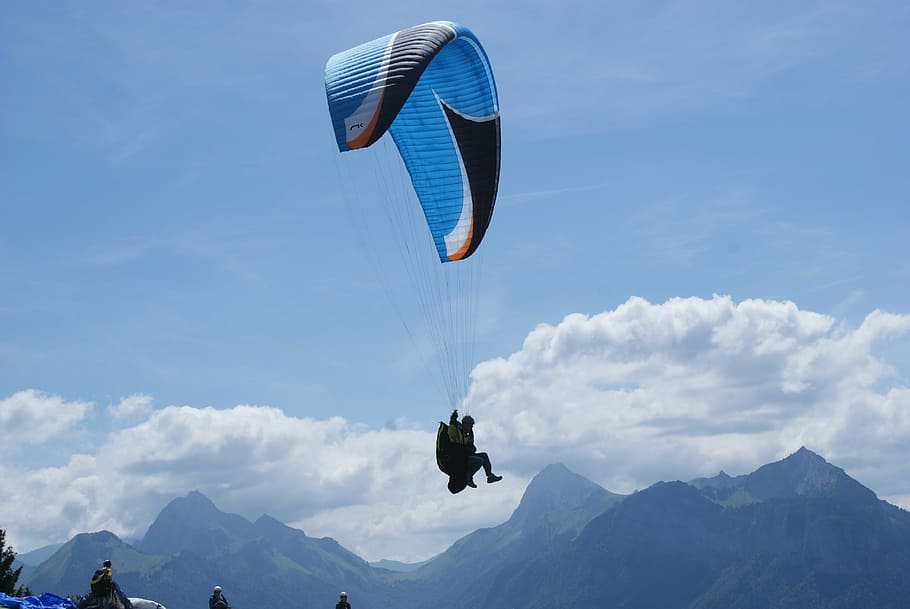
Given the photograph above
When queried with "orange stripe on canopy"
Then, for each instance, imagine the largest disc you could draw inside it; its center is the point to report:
(362, 140)
(458, 255)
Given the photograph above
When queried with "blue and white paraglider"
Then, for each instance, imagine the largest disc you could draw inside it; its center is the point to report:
(431, 88)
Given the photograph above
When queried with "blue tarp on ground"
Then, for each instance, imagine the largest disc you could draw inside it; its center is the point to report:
(45, 601)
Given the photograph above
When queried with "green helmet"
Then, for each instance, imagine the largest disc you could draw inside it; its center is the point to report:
(467, 420)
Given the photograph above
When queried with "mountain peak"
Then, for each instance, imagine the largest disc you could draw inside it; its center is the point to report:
(554, 468)
(555, 508)
(558, 489)
(196, 498)
(269, 525)
(803, 474)
(552, 481)
(194, 521)
(721, 481)
(804, 455)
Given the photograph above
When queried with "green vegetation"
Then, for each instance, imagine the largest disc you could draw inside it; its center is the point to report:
(9, 576)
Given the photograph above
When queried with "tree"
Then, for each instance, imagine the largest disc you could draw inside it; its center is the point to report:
(8, 575)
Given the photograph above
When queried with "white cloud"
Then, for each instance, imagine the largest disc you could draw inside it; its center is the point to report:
(132, 407)
(630, 396)
(691, 386)
(30, 418)
(362, 486)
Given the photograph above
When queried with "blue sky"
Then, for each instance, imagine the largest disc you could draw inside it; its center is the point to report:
(175, 246)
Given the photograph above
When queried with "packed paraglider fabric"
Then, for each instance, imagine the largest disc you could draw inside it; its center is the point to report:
(143, 603)
(45, 601)
(432, 88)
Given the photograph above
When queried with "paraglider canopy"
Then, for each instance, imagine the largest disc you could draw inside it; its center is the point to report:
(431, 87)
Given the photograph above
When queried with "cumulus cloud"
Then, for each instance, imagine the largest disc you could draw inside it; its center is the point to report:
(362, 486)
(627, 397)
(690, 386)
(30, 418)
(132, 407)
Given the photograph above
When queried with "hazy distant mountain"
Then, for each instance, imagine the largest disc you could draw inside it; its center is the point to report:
(396, 566)
(555, 507)
(795, 534)
(36, 557)
(802, 474)
(70, 569)
(29, 561)
(809, 537)
(193, 546)
(194, 523)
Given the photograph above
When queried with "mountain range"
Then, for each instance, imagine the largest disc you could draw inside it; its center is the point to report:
(795, 534)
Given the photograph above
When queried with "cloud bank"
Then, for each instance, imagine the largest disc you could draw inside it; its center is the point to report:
(641, 393)
(31, 417)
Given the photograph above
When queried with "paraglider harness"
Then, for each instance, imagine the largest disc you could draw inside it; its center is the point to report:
(105, 594)
(450, 458)
(102, 584)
